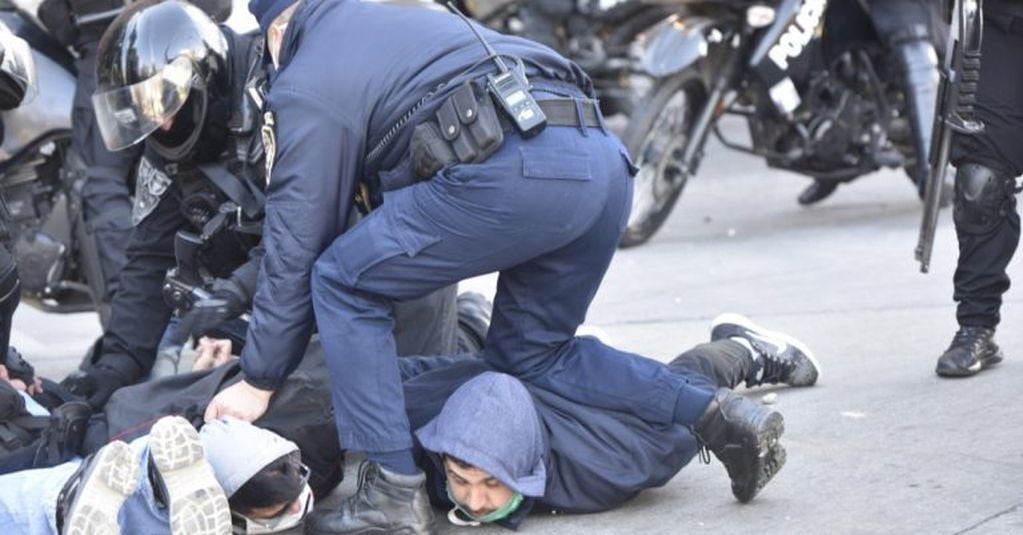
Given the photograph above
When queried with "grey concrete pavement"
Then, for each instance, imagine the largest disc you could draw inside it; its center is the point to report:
(881, 445)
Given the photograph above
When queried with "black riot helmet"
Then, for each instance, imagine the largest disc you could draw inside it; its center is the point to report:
(17, 70)
(162, 75)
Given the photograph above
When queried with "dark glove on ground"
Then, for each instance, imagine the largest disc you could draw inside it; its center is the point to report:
(96, 385)
(18, 367)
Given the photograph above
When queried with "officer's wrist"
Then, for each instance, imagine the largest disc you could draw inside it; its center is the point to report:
(261, 392)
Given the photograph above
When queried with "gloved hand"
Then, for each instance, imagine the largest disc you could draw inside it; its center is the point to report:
(227, 301)
(96, 384)
(18, 367)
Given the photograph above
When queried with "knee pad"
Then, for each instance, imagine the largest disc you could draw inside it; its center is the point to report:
(983, 198)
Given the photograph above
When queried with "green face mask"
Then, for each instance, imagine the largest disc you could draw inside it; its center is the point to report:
(493, 516)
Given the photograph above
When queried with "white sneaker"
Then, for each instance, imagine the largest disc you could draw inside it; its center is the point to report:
(111, 476)
(197, 503)
(780, 358)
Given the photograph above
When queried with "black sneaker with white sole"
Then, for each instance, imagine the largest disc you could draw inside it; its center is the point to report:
(777, 358)
(92, 498)
(196, 501)
(743, 435)
(972, 349)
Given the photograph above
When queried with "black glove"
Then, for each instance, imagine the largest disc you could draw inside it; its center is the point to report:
(18, 367)
(96, 384)
(227, 301)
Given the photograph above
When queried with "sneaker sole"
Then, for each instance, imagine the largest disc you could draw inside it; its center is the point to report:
(196, 501)
(770, 457)
(112, 477)
(746, 323)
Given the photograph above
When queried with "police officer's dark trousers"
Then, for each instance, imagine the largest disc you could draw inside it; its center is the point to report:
(547, 213)
(987, 223)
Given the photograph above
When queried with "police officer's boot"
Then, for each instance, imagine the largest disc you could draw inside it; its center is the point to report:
(972, 350)
(743, 435)
(817, 191)
(919, 64)
(385, 503)
(777, 357)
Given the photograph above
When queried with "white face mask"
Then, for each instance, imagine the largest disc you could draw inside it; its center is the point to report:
(282, 522)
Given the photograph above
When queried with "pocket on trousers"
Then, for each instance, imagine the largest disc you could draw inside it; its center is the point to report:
(548, 163)
(381, 241)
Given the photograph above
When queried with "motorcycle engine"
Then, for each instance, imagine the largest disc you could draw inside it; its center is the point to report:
(841, 129)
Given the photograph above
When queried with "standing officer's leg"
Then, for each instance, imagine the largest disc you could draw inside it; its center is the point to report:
(986, 221)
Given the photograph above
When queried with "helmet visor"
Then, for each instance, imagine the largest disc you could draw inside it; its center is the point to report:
(127, 115)
(17, 62)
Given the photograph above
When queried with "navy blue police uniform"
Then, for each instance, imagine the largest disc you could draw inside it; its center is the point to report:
(547, 212)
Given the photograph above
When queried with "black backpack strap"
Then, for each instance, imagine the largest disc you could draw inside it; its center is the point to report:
(243, 192)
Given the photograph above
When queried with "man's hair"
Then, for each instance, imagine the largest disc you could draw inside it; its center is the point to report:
(277, 483)
(460, 463)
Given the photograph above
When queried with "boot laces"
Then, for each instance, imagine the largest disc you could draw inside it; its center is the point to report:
(704, 454)
(969, 337)
(367, 473)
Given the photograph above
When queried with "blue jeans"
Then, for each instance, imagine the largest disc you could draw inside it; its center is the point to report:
(28, 500)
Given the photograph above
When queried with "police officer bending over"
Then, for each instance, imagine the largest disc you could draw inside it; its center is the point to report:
(104, 183)
(391, 105)
(169, 76)
(986, 220)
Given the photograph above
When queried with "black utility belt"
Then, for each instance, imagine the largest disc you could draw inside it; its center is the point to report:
(467, 128)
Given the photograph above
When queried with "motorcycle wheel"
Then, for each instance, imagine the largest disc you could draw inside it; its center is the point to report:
(658, 129)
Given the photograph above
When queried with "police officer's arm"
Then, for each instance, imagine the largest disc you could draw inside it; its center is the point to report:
(139, 314)
(246, 276)
(312, 183)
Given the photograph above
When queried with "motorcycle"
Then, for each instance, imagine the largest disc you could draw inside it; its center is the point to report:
(819, 91)
(57, 273)
(601, 36)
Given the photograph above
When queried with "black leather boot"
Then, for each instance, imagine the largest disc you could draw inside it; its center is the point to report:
(385, 503)
(972, 350)
(743, 435)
